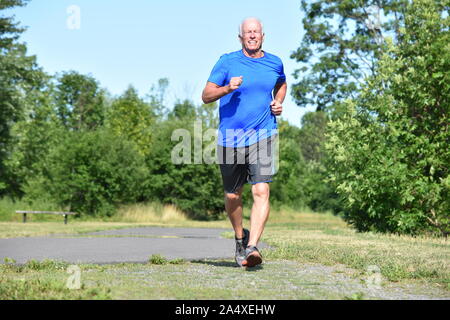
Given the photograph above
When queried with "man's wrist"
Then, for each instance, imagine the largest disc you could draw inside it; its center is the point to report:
(228, 89)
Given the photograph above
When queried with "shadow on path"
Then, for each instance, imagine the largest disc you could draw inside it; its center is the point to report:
(227, 264)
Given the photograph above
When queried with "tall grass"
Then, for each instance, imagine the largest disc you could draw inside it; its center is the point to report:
(138, 213)
(149, 212)
(8, 209)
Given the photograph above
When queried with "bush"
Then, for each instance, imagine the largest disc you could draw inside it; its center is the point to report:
(90, 173)
(194, 188)
(389, 152)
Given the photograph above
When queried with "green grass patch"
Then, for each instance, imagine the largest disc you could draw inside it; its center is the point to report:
(47, 279)
(159, 259)
(203, 279)
(331, 242)
(39, 289)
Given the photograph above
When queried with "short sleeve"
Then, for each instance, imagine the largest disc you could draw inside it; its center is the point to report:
(219, 73)
(281, 76)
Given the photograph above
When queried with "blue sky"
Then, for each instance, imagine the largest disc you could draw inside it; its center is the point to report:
(140, 41)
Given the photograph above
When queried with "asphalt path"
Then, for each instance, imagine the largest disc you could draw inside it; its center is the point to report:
(131, 245)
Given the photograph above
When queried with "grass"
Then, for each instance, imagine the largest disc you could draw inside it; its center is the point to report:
(203, 279)
(160, 260)
(150, 213)
(327, 240)
(303, 239)
(43, 280)
(161, 280)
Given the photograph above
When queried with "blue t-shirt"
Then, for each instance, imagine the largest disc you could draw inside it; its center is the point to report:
(245, 114)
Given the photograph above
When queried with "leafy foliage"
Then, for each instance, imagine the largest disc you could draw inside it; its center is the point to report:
(390, 151)
(90, 173)
(79, 101)
(19, 75)
(194, 188)
(343, 40)
(132, 118)
(33, 137)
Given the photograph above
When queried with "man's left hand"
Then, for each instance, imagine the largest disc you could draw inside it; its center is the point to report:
(276, 107)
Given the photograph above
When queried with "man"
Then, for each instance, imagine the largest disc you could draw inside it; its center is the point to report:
(251, 86)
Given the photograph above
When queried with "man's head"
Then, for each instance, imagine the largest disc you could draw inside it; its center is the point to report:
(251, 34)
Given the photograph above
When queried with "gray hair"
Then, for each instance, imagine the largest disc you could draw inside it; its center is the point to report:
(250, 18)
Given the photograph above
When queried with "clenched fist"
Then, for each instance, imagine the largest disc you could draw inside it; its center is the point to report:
(276, 107)
(235, 82)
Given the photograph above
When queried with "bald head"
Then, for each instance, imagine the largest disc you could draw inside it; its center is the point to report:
(252, 23)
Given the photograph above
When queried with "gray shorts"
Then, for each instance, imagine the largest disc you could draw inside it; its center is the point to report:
(252, 164)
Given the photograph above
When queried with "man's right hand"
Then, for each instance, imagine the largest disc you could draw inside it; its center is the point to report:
(235, 83)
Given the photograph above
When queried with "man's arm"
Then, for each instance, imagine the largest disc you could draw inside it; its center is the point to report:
(279, 93)
(213, 92)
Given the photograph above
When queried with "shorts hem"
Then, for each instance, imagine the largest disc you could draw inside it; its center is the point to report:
(260, 181)
(235, 190)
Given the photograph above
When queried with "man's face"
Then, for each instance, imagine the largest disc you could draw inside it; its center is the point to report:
(252, 37)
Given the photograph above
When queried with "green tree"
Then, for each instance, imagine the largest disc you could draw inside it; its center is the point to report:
(80, 101)
(90, 172)
(320, 194)
(19, 75)
(288, 187)
(194, 188)
(33, 137)
(343, 40)
(209, 115)
(156, 97)
(312, 135)
(183, 110)
(389, 153)
(133, 118)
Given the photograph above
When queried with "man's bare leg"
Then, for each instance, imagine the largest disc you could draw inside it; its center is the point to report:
(260, 211)
(233, 206)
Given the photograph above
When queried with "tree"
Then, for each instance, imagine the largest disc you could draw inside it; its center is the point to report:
(389, 153)
(288, 187)
(156, 97)
(90, 172)
(32, 139)
(194, 188)
(312, 135)
(132, 118)
(343, 40)
(319, 194)
(19, 75)
(80, 101)
(183, 110)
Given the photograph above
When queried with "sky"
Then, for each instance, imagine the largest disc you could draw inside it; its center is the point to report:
(138, 42)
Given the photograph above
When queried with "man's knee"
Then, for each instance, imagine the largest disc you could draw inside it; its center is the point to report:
(235, 196)
(232, 196)
(261, 190)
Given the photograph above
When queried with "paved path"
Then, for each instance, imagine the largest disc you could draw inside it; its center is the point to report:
(122, 245)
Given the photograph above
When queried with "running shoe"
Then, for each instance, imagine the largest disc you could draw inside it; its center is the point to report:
(252, 257)
(241, 244)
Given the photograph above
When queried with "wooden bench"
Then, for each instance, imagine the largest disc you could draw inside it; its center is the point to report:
(65, 214)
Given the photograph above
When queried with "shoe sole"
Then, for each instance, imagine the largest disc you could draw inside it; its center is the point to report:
(252, 260)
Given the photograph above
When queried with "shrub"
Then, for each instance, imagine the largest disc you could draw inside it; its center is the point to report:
(90, 173)
(389, 152)
(194, 188)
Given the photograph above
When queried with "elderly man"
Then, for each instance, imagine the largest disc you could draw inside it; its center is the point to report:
(251, 86)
